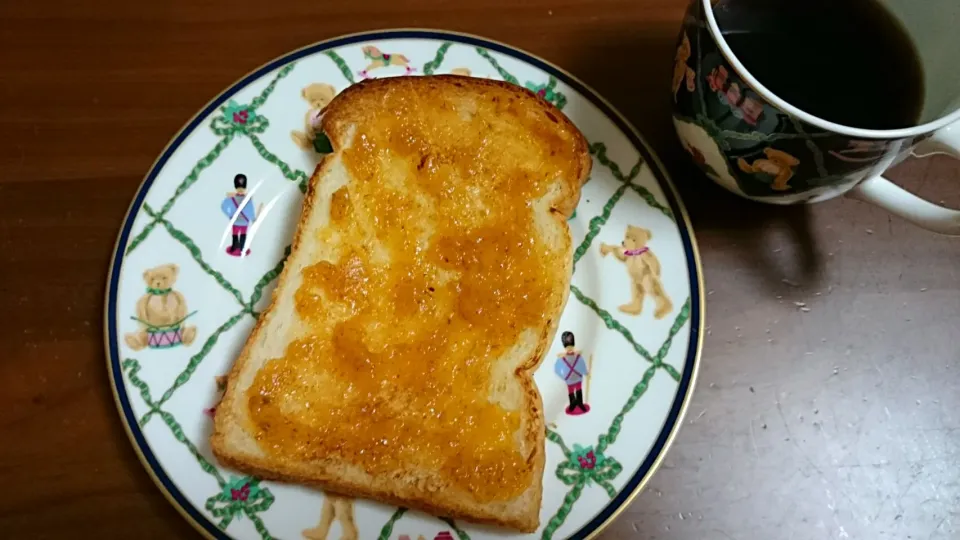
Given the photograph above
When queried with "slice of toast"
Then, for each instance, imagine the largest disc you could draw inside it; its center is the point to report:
(427, 277)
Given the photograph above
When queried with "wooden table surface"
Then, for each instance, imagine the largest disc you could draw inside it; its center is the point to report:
(840, 422)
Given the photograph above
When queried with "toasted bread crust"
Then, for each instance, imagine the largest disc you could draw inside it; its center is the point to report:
(341, 477)
(349, 98)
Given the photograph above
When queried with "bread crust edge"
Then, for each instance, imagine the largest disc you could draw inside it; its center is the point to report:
(384, 489)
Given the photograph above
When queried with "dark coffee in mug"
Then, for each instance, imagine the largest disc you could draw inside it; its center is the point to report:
(846, 61)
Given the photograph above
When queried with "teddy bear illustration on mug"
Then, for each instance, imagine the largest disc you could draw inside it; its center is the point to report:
(161, 313)
(778, 167)
(644, 271)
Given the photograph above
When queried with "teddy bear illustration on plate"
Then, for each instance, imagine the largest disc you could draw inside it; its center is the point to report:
(335, 508)
(318, 96)
(161, 313)
(644, 270)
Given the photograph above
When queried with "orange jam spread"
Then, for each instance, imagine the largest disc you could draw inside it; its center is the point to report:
(438, 272)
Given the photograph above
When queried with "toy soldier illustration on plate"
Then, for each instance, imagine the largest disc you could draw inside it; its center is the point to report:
(573, 369)
(239, 208)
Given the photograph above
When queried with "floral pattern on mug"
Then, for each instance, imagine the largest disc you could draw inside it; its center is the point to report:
(734, 96)
(705, 153)
(753, 148)
(701, 160)
(861, 151)
(681, 70)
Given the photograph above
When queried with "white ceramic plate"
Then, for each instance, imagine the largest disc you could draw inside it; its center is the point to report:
(181, 301)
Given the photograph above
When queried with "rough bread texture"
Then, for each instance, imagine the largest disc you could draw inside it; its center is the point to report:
(440, 176)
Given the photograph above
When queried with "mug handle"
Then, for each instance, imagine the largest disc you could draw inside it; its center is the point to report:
(900, 202)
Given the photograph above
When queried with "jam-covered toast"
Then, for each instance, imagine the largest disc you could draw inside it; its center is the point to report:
(428, 273)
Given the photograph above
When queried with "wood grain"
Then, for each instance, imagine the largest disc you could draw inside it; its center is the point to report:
(837, 423)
